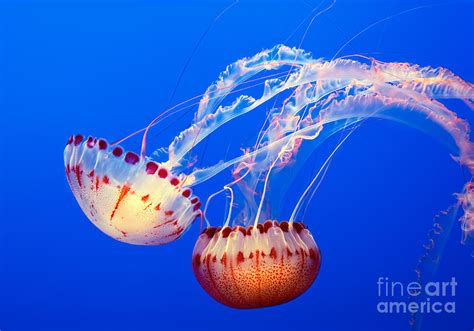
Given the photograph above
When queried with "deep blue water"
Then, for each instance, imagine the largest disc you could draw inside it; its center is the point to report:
(107, 68)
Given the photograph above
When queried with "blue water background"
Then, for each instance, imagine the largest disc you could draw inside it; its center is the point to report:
(106, 68)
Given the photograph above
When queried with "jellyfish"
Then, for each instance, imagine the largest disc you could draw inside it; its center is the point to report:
(257, 258)
(137, 201)
(256, 267)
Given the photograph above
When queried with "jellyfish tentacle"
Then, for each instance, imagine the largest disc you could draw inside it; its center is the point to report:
(362, 90)
(309, 132)
(360, 100)
(231, 203)
(339, 73)
(265, 184)
(234, 75)
(228, 186)
(315, 178)
(245, 68)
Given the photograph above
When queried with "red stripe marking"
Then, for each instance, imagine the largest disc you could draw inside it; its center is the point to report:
(164, 223)
(123, 192)
(273, 253)
(77, 170)
(68, 170)
(177, 233)
(148, 206)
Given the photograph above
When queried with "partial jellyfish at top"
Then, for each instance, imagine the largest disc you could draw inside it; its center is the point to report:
(258, 257)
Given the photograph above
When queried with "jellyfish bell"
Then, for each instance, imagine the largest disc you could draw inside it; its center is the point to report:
(256, 267)
(133, 200)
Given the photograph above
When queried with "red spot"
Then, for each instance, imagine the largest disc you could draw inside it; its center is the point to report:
(214, 258)
(145, 198)
(91, 174)
(105, 180)
(197, 206)
(131, 158)
(251, 255)
(158, 207)
(169, 213)
(97, 183)
(284, 226)
(267, 225)
(298, 226)
(186, 193)
(288, 252)
(241, 229)
(210, 232)
(70, 140)
(163, 173)
(249, 230)
(90, 142)
(194, 200)
(273, 253)
(123, 192)
(117, 151)
(151, 168)
(102, 144)
(78, 139)
(174, 181)
(260, 227)
(312, 254)
(240, 257)
(226, 231)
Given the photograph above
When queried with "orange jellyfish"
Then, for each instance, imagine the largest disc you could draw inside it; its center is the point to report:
(268, 265)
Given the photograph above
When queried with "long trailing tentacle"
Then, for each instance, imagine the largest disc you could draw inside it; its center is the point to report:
(337, 74)
(395, 91)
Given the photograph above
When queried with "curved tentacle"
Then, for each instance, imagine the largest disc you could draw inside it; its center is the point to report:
(328, 76)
